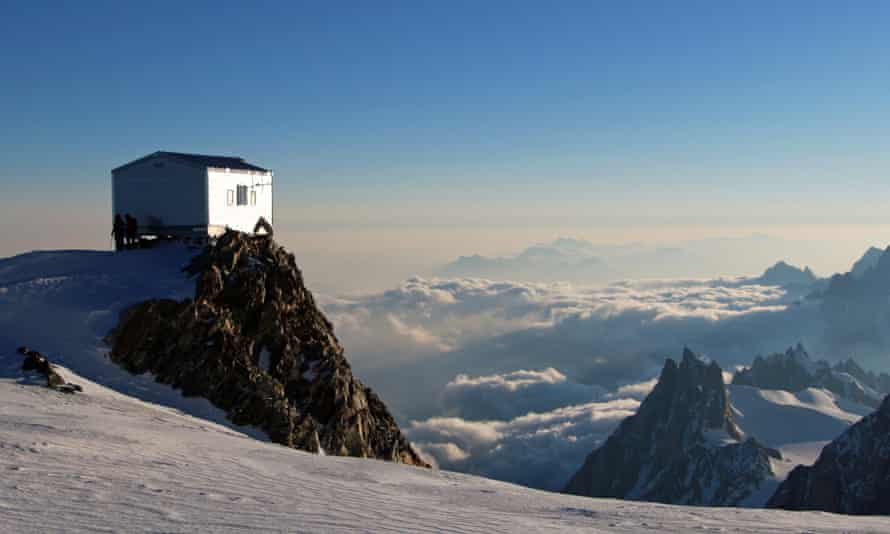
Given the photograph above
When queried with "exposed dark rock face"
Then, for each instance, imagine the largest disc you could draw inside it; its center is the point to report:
(851, 475)
(857, 309)
(254, 343)
(34, 361)
(795, 371)
(681, 447)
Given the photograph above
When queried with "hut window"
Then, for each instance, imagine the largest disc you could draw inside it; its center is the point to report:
(230, 197)
(242, 195)
(253, 198)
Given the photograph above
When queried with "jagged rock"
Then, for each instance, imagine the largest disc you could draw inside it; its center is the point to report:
(868, 261)
(795, 371)
(851, 475)
(34, 361)
(682, 446)
(783, 274)
(254, 343)
(856, 309)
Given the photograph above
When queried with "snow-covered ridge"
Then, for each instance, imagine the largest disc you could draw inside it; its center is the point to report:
(104, 461)
(795, 371)
(63, 303)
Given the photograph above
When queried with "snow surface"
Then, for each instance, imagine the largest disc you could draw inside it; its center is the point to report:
(134, 455)
(798, 425)
(63, 303)
(103, 461)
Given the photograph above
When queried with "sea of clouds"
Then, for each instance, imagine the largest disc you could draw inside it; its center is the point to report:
(520, 381)
(544, 426)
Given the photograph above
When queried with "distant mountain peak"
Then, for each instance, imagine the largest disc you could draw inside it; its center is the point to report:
(783, 274)
(682, 446)
(868, 260)
(795, 371)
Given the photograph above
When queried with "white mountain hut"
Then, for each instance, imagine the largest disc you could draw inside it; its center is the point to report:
(193, 196)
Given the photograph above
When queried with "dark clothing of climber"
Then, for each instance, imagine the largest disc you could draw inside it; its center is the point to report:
(132, 230)
(263, 224)
(118, 230)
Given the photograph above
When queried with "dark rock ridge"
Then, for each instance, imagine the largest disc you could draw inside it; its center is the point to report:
(681, 447)
(783, 274)
(254, 343)
(851, 475)
(795, 371)
(866, 262)
(856, 309)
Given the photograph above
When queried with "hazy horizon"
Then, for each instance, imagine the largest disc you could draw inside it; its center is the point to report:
(353, 258)
(406, 135)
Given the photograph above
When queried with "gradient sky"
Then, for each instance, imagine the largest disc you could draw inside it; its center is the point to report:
(598, 118)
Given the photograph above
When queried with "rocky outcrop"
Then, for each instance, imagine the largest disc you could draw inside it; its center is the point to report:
(868, 260)
(783, 274)
(795, 371)
(681, 447)
(34, 361)
(851, 475)
(857, 311)
(254, 343)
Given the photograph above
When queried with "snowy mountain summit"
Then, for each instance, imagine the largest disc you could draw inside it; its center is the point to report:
(254, 343)
(682, 446)
(795, 371)
(851, 476)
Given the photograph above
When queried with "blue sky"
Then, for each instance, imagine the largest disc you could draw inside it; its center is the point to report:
(461, 112)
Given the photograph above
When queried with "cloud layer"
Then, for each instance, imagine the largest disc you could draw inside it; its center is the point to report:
(541, 448)
(422, 317)
(514, 394)
(520, 381)
(411, 341)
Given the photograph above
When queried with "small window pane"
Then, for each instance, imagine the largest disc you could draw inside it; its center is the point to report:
(230, 197)
(242, 195)
(253, 198)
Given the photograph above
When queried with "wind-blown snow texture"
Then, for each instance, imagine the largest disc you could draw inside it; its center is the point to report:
(102, 461)
(64, 302)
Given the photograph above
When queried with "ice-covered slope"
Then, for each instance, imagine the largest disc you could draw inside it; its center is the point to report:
(64, 302)
(102, 461)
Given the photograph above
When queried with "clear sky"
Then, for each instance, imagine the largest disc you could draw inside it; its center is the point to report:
(599, 118)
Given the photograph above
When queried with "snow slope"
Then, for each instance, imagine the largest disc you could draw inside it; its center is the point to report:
(63, 303)
(102, 461)
(798, 424)
(129, 456)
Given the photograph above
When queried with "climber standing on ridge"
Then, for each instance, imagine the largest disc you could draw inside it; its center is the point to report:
(118, 230)
(132, 231)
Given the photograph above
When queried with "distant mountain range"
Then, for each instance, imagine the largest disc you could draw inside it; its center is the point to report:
(794, 371)
(695, 440)
(856, 309)
(579, 261)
